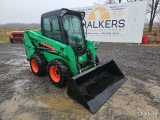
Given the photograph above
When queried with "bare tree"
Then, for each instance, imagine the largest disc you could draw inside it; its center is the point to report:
(133, 0)
(153, 10)
(103, 2)
(109, 1)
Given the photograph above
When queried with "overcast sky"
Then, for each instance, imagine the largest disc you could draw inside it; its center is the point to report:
(29, 11)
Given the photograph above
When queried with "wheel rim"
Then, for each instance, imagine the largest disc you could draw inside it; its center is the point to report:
(34, 65)
(54, 73)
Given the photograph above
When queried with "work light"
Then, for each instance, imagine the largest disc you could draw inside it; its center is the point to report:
(83, 15)
(64, 11)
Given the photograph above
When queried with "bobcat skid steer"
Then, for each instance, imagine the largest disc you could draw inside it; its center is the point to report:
(61, 50)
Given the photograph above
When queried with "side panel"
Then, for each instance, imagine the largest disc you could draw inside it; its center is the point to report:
(33, 40)
(91, 47)
(30, 49)
(70, 57)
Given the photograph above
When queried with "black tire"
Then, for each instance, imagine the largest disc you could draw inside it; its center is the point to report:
(40, 64)
(58, 72)
(97, 60)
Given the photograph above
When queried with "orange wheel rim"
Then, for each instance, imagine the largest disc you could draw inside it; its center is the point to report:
(54, 73)
(34, 65)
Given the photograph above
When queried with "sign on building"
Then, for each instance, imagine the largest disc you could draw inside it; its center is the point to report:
(115, 22)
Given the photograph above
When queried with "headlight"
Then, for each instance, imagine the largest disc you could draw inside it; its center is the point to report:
(64, 11)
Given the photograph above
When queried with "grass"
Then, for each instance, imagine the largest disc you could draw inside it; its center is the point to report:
(6, 32)
(154, 36)
(4, 38)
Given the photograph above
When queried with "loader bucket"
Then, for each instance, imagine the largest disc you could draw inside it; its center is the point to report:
(94, 86)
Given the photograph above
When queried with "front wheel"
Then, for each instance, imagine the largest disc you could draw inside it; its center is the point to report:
(58, 72)
(38, 64)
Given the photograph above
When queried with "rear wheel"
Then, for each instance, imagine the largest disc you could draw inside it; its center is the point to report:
(38, 64)
(58, 72)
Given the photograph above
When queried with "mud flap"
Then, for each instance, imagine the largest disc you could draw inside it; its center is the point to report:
(93, 87)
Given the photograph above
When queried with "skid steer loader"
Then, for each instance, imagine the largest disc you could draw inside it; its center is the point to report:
(60, 49)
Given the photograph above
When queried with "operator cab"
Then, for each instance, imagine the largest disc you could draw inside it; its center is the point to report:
(65, 26)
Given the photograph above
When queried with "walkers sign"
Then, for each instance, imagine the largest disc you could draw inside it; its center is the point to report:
(106, 20)
(122, 22)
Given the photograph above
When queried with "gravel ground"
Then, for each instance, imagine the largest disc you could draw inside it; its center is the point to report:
(24, 96)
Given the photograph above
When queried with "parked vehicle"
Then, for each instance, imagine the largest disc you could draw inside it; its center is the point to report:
(61, 49)
(16, 36)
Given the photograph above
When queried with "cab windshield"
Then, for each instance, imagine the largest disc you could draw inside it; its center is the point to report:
(73, 32)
